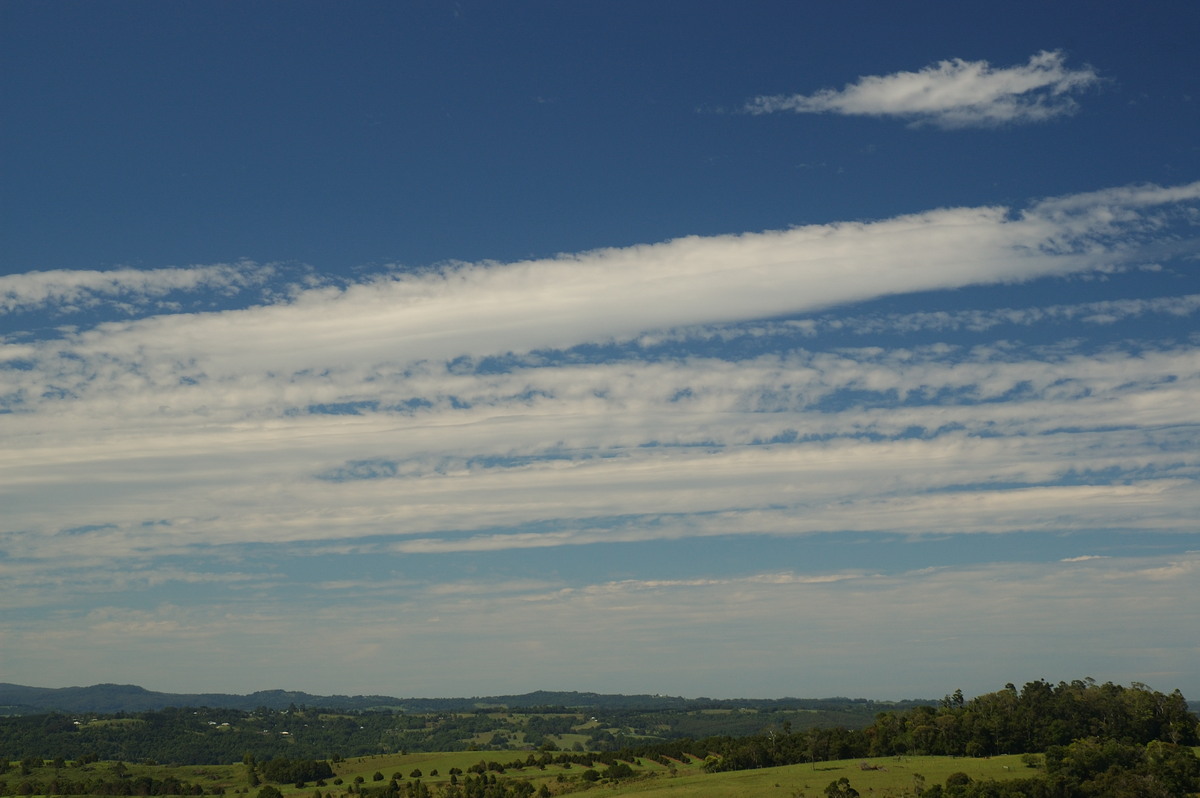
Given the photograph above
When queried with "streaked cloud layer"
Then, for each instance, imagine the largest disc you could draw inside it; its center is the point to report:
(952, 93)
(700, 389)
(420, 349)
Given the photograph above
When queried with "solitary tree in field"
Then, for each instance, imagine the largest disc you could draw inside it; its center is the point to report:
(841, 789)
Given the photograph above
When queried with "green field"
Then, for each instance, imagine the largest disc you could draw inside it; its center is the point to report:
(884, 777)
(892, 778)
(889, 776)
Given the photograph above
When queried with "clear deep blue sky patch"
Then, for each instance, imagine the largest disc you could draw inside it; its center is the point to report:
(614, 339)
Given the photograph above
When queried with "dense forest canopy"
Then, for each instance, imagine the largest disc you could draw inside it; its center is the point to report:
(1010, 721)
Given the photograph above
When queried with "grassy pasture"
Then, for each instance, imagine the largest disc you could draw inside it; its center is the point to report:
(114, 722)
(566, 742)
(893, 777)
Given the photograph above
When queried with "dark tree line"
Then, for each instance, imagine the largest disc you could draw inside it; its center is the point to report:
(1040, 715)
(1010, 721)
(282, 770)
(115, 782)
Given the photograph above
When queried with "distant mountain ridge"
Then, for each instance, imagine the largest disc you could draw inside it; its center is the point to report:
(107, 698)
(18, 699)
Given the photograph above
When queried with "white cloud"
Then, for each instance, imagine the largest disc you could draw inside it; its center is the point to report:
(578, 450)
(615, 294)
(444, 417)
(69, 291)
(951, 94)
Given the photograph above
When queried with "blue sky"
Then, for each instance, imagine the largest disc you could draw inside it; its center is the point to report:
(752, 349)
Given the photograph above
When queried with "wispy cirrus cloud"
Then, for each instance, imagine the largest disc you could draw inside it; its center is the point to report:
(1105, 312)
(488, 309)
(951, 94)
(477, 412)
(691, 392)
(66, 291)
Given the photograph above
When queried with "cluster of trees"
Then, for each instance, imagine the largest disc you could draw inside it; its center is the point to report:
(282, 770)
(1033, 719)
(84, 777)
(1090, 768)
(1107, 767)
(196, 736)
(482, 786)
(115, 780)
